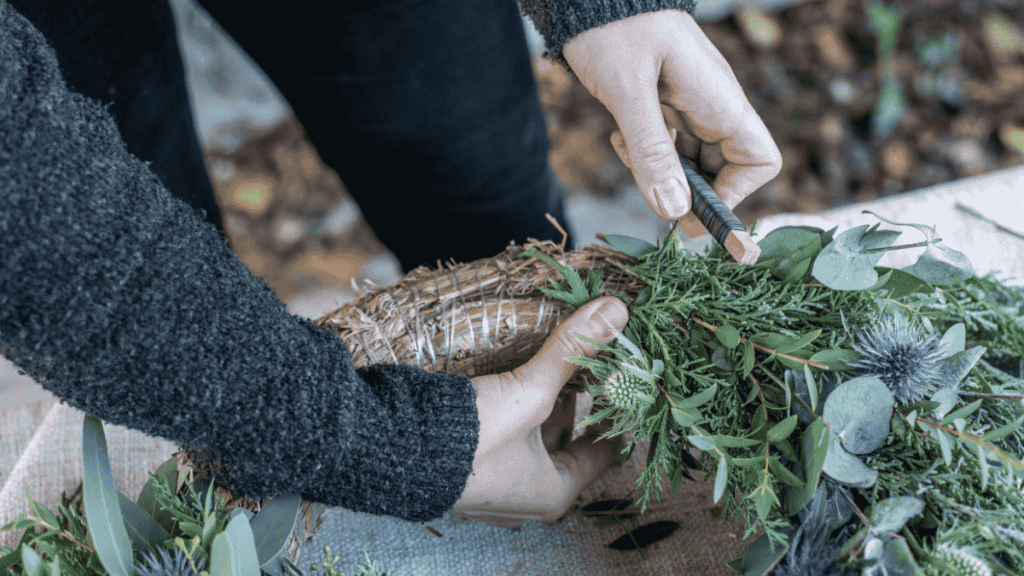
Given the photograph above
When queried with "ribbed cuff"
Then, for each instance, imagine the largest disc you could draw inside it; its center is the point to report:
(559, 21)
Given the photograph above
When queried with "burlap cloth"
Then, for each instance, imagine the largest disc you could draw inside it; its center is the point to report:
(43, 441)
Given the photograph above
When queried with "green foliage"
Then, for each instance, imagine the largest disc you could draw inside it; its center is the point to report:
(575, 293)
(755, 367)
(172, 514)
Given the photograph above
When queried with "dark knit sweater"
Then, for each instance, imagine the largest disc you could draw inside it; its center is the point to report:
(119, 299)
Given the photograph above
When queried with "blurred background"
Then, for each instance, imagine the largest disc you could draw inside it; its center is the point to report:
(864, 99)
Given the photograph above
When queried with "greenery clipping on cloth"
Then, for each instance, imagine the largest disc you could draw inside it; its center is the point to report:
(867, 419)
(176, 528)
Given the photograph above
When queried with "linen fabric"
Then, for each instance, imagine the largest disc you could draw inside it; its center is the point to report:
(120, 299)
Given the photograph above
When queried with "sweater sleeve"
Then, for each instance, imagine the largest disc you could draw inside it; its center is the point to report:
(119, 299)
(558, 21)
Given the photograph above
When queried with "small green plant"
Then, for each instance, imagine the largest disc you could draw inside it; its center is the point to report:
(891, 104)
(176, 528)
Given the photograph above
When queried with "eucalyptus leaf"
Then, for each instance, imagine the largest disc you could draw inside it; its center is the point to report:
(858, 413)
(836, 359)
(728, 336)
(798, 381)
(633, 246)
(803, 353)
(799, 342)
(273, 525)
(844, 265)
(902, 283)
(735, 442)
(764, 497)
(760, 558)
(928, 231)
(846, 468)
(722, 358)
(944, 446)
(145, 532)
(166, 473)
(699, 399)
(813, 450)
(720, 479)
(234, 550)
(789, 252)
(747, 362)
(102, 506)
(244, 512)
(31, 562)
(1004, 430)
(785, 474)
(962, 412)
(957, 366)
(953, 341)
(771, 340)
(701, 442)
(893, 555)
(686, 417)
(40, 511)
(891, 514)
(783, 429)
(942, 266)
(939, 265)
(875, 238)
(797, 272)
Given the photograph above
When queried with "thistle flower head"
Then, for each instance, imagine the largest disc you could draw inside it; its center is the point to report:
(901, 356)
(627, 389)
(166, 563)
(811, 553)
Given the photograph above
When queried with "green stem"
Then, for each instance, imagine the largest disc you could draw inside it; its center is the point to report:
(1010, 460)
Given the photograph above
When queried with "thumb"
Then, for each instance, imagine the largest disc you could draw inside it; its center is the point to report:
(646, 146)
(549, 369)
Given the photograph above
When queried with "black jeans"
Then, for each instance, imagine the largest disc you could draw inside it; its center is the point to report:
(426, 109)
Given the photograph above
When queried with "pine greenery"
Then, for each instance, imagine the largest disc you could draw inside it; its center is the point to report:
(740, 361)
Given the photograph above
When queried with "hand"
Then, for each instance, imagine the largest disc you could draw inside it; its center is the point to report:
(515, 477)
(656, 68)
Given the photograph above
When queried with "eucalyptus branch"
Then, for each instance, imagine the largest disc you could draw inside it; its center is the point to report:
(60, 532)
(857, 511)
(998, 396)
(757, 346)
(694, 428)
(904, 246)
(1013, 462)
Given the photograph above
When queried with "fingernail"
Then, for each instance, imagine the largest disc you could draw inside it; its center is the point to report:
(673, 199)
(613, 312)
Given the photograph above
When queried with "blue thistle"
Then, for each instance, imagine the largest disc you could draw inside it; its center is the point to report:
(901, 356)
(166, 563)
(810, 554)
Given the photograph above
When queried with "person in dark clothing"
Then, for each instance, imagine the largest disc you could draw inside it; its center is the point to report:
(118, 292)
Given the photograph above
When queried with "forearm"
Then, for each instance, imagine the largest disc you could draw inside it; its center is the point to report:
(119, 299)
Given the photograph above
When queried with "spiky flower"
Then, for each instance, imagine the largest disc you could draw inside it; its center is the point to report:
(961, 561)
(810, 553)
(166, 563)
(901, 356)
(629, 388)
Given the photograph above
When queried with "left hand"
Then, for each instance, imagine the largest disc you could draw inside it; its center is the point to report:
(518, 473)
(659, 67)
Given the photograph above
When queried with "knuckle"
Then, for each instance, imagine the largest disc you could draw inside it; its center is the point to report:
(653, 149)
(566, 339)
